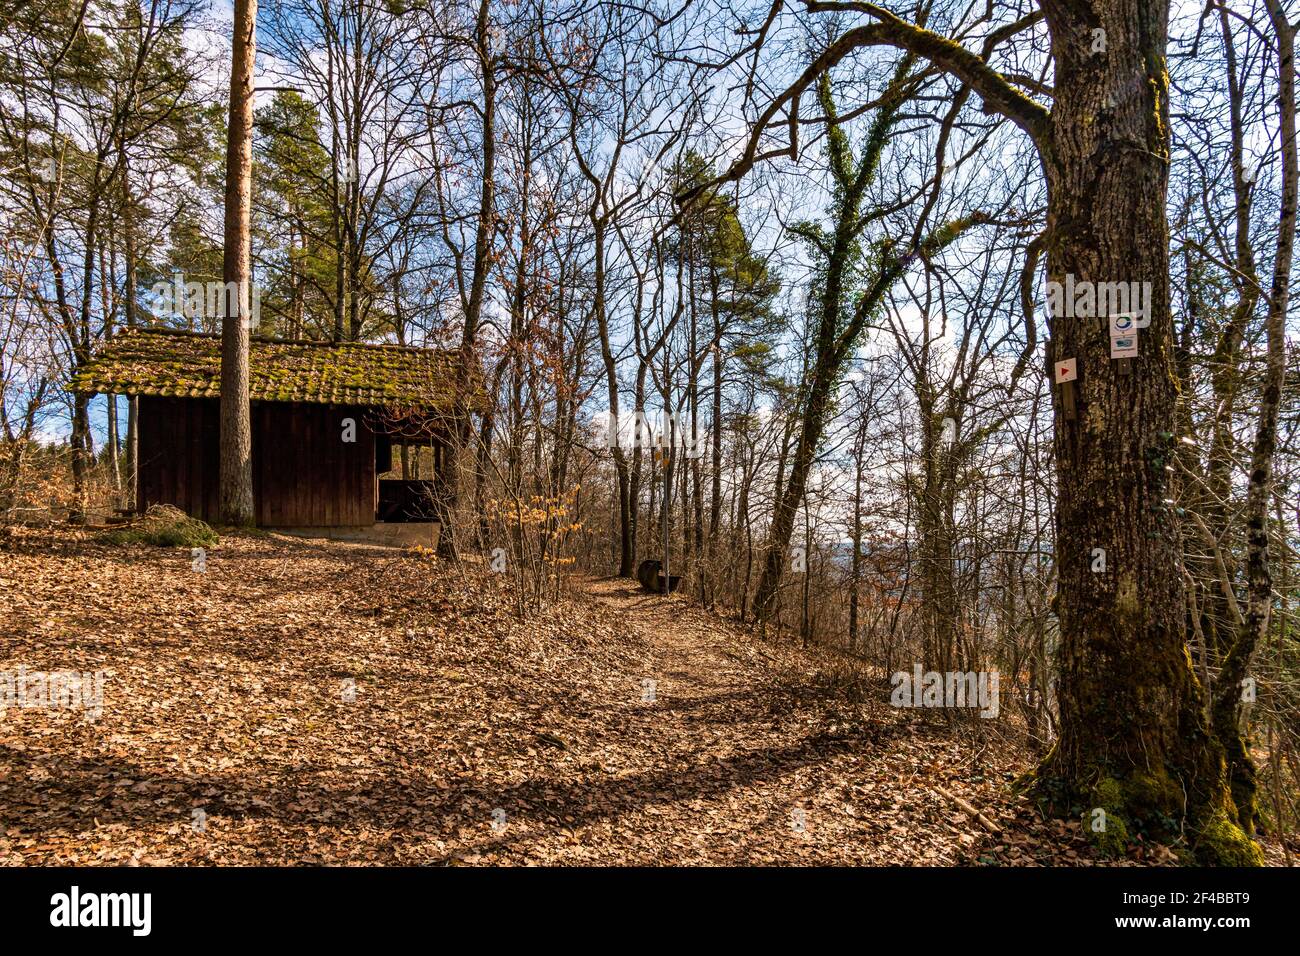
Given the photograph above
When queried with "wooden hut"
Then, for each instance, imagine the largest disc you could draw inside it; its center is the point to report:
(325, 417)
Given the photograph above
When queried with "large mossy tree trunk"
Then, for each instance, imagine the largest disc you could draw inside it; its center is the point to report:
(1134, 739)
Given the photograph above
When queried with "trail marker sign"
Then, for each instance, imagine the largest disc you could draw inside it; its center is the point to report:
(1123, 336)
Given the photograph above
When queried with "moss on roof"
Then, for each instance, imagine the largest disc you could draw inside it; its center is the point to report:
(179, 364)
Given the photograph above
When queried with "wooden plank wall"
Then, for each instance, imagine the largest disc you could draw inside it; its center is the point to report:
(178, 455)
(304, 474)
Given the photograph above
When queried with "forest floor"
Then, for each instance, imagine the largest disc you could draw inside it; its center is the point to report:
(303, 702)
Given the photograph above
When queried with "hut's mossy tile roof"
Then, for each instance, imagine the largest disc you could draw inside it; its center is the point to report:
(178, 364)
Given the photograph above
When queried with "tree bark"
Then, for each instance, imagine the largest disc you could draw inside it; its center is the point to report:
(236, 479)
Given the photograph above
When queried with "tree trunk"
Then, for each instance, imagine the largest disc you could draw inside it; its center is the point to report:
(1133, 741)
(236, 485)
(715, 496)
(855, 573)
(108, 281)
(626, 552)
(129, 305)
(478, 283)
(788, 498)
(1227, 708)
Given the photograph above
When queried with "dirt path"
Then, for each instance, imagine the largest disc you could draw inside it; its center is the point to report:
(766, 768)
(303, 702)
(696, 667)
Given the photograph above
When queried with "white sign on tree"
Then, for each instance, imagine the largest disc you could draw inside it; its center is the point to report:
(1123, 336)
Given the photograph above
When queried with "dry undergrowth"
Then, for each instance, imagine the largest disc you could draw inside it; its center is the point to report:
(304, 702)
